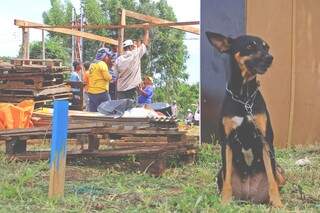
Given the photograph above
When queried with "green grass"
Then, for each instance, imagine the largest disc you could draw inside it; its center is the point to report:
(189, 188)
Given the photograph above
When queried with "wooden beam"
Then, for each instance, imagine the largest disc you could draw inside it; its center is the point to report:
(120, 26)
(121, 30)
(24, 24)
(43, 47)
(58, 149)
(25, 42)
(155, 20)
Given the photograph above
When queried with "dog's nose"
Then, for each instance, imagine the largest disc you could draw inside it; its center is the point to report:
(269, 58)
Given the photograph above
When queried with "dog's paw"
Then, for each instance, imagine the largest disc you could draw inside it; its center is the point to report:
(276, 203)
(226, 195)
(275, 198)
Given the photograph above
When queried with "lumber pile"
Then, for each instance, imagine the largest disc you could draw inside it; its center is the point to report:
(39, 80)
(105, 137)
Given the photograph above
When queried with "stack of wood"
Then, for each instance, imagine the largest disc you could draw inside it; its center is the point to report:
(40, 80)
(105, 137)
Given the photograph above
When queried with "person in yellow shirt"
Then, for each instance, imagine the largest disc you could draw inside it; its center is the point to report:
(99, 78)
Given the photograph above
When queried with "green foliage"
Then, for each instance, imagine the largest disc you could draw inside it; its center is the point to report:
(59, 14)
(5, 58)
(54, 49)
(166, 56)
(186, 95)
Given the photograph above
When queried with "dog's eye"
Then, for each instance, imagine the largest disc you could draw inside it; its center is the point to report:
(250, 47)
(265, 45)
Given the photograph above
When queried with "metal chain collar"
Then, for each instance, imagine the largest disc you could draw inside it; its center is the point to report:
(247, 105)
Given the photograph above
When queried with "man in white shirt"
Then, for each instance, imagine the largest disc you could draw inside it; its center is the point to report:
(128, 67)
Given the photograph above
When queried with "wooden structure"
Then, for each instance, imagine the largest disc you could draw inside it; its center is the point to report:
(153, 21)
(73, 30)
(291, 85)
(150, 140)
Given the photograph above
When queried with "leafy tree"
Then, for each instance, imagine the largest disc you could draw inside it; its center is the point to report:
(187, 97)
(166, 56)
(58, 14)
(54, 49)
(167, 53)
(93, 15)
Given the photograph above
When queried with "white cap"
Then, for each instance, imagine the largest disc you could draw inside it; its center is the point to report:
(128, 42)
(189, 110)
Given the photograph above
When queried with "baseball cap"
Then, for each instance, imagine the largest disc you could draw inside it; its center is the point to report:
(150, 78)
(103, 52)
(127, 43)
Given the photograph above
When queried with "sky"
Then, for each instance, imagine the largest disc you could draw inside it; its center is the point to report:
(31, 10)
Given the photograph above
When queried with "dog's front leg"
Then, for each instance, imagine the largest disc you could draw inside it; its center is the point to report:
(261, 122)
(227, 187)
(229, 124)
(273, 186)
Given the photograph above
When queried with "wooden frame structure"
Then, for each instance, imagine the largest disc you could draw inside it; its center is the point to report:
(73, 30)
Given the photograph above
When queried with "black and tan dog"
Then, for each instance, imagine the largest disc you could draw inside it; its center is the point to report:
(249, 169)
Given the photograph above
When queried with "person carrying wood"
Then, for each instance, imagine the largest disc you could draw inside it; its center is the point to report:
(99, 78)
(128, 67)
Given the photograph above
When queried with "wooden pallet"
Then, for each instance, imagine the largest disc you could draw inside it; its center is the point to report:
(46, 62)
(30, 80)
(107, 140)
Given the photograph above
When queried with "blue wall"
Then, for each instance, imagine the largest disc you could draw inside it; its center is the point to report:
(226, 17)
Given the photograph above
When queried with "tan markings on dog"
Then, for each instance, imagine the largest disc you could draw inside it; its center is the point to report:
(261, 121)
(227, 187)
(273, 186)
(248, 156)
(231, 123)
(245, 73)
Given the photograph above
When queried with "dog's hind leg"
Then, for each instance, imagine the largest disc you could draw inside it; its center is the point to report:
(227, 187)
(273, 186)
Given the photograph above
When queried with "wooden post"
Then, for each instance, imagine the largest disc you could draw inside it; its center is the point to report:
(58, 149)
(25, 43)
(43, 47)
(121, 30)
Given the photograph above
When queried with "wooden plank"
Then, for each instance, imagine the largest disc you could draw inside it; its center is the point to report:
(155, 20)
(131, 26)
(43, 45)
(44, 155)
(25, 42)
(58, 154)
(22, 23)
(121, 30)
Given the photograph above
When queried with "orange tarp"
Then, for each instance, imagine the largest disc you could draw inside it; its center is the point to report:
(16, 116)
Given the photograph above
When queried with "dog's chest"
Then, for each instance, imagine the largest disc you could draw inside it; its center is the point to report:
(245, 143)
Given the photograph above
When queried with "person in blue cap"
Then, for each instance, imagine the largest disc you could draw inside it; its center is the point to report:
(99, 78)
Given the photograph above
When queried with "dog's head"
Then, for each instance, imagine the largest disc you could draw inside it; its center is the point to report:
(250, 52)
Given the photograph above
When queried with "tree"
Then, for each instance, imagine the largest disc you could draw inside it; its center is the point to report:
(58, 14)
(167, 53)
(54, 49)
(166, 56)
(187, 97)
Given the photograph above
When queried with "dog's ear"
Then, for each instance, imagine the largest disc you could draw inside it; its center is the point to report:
(219, 41)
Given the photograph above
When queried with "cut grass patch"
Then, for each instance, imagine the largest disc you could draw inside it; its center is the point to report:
(189, 188)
